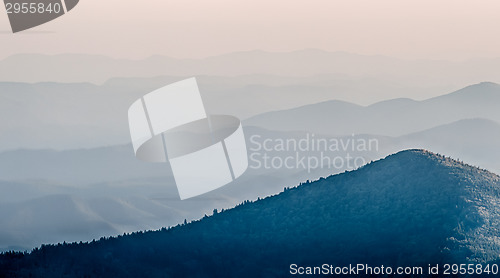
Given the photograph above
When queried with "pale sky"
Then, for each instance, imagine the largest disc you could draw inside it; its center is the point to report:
(430, 29)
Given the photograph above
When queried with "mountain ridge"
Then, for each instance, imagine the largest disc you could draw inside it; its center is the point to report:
(411, 208)
(384, 118)
(311, 61)
(466, 90)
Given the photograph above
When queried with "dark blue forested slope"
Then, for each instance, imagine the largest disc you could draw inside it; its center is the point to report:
(411, 208)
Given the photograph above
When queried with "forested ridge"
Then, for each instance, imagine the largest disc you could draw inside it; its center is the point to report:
(412, 208)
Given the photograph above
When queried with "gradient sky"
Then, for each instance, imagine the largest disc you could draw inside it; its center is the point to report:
(447, 29)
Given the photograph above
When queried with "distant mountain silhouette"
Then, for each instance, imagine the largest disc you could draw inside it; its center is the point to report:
(473, 140)
(409, 209)
(72, 116)
(307, 62)
(82, 115)
(390, 118)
